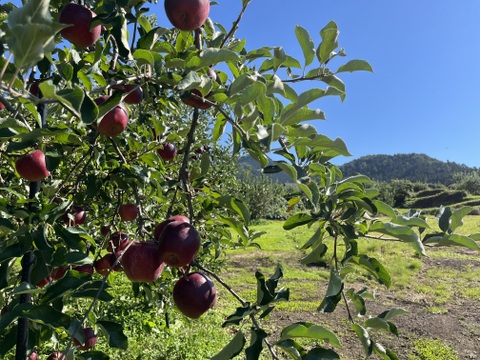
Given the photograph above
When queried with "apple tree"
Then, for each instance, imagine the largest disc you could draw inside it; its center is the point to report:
(112, 127)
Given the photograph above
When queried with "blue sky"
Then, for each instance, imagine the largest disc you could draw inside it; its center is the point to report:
(424, 94)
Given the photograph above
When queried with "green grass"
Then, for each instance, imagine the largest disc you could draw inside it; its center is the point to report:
(431, 349)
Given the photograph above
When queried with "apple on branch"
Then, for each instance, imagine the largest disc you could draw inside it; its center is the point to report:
(160, 227)
(115, 121)
(187, 14)
(167, 152)
(178, 244)
(32, 166)
(79, 32)
(90, 339)
(142, 261)
(128, 212)
(194, 294)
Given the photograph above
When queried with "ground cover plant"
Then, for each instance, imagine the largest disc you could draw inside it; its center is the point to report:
(116, 138)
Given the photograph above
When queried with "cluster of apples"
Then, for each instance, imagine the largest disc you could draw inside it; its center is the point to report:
(176, 243)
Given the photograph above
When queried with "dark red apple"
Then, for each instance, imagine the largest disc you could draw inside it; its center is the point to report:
(194, 101)
(79, 33)
(56, 356)
(115, 121)
(90, 339)
(87, 268)
(104, 264)
(179, 243)
(128, 212)
(167, 152)
(135, 95)
(76, 215)
(194, 294)
(105, 230)
(118, 241)
(160, 227)
(44, 282)
(142, 262)
(58, 272)
(32, 166)
(2, 106)
(187, 14)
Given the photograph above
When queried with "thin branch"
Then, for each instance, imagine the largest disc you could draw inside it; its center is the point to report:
(235, 24)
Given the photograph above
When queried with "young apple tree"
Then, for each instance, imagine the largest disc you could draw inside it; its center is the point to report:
(103, 112)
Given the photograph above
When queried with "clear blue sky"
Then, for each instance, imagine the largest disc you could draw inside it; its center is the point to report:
(424, 96)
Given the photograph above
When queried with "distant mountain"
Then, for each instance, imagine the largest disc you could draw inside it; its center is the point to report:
(413, 167)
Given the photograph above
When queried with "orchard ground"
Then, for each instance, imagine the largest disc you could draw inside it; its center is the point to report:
(441, 293)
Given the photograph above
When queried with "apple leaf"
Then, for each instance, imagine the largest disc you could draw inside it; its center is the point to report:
(48, 315)
(114, 333)
(311, 331)
(374, 267)
(297, 220)
(306, 43)
(303, 99)
(292, 348)
(355, 65)
(93, 355)
(329, 43)
(364, 337)
(233, 348)
(35, 20)
(315, 255)
(324, 354)
(256, 344)
(400, 232)
(334, 292)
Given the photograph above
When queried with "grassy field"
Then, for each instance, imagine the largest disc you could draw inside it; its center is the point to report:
(441, 293)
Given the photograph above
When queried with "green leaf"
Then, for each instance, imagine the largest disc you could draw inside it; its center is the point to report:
(49, 316)
(444, 220)
(311, 331)
(456, 220)
(256, 344)
(329, 43)
(456, 240)
(304, 114)
(233, 348)
(306, 43)
(93, 355)
(297, 220)
(64, 286)
(374, 267)
(355, 65)
(303, 99)
(35, 20)
(358, 301)
(144, 57)
(236, 205)
(400, 232)
(333, 294)
(212, 56)
(322, 354)
(238, 316)
(364, 337)
(388, 314)
(292, 348)
(114, 333)
(315, 255)
(384, 208)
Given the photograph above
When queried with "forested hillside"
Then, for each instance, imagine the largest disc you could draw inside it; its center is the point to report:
(413, 167)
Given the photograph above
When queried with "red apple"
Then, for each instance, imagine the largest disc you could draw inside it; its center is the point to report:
(76, 215)
(33, 356)
(194, 294)
(118, 241)
(128, 212)
(2, 106)
(87, 268)
(178, 244)
(79, 33)
(58, 273)
(197, 102)
(44, 282)
(90, 339)
(187, 14)
(104, 264)
(32, 166)
(160, 227)
(135, 95)
(115, 121)
(56, 356)
(142, 262)
(167, 152)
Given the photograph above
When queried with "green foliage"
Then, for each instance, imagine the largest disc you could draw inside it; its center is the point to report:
(467, 181)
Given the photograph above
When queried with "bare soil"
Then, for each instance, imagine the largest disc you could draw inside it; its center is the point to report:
(458, 324)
